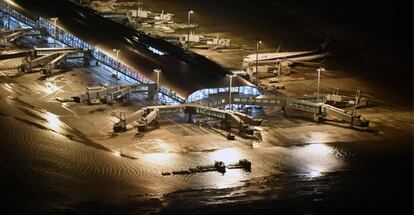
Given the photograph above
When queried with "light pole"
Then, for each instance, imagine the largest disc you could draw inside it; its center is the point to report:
(279, 67)
(230, 85)
(189, 23)
(258, 42)
(319, 70)
(8, 18)
(137, 17)
(54, 19)
(117, 64)
(158, 71)
(354, 113)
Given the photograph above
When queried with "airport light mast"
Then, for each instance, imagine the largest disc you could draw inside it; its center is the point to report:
(258, 42)
(54, 19)
(189, 23)
(319, 70)
(117, 64)
(230, 85)
(137, 16)
(158, 71)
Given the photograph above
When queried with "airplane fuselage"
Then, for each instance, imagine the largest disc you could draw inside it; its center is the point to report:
(289, 57)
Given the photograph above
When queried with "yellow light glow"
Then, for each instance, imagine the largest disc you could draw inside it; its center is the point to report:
(53, 122)
(163, 159)
(317, 159)
(314, 174)
(319, 148)
(232, 177)
(10, 2)
(51, 88)
(318, 137)
(229, 155)
(117, 154)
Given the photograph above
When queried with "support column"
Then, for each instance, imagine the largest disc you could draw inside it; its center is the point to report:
(190, 117)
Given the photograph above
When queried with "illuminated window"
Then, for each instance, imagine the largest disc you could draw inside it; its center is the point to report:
(155, 51)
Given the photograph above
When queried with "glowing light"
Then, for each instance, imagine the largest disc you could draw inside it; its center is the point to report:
(156, 51)
(8, 87)
(314, 174)
(10, 2)
(318, 137)
(117, 154)
(163, 159)
(53, 121)
(317, 159)
(232, 177)
(320, 149)
(230, 155)
(51, 88)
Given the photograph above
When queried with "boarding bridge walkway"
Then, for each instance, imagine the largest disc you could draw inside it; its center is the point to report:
(39, 52)
(273, 101)
(103, 94)
(308, 106)
(109, 94)
(47, 59)
(60, 59)
(12, 35)
(70, 52)
(16, 54)
(44, 63)
(229, 119)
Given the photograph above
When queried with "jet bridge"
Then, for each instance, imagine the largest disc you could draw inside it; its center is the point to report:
(321, 112)
(143, 122)
(109, 94)
(306, 106)
(12, 35)
(104, 94)
(44, 63)
(352, 118)
(71, 52)
(16, 54)
(47, 70)
(229, 119)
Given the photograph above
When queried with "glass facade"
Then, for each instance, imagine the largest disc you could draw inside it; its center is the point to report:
(70, 40)
(205, 93)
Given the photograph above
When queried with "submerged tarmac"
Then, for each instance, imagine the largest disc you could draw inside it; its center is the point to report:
(64, 157)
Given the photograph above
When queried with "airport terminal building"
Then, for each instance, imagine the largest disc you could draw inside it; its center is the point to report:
(185, 77)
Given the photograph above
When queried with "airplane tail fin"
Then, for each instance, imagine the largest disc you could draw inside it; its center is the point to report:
(325, 44)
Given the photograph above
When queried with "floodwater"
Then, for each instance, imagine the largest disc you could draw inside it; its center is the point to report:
(49, 167)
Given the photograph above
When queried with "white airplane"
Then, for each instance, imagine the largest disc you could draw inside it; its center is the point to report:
(106, 6)
(288, 58)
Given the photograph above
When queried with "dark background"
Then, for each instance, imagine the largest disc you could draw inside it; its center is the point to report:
(372, 39)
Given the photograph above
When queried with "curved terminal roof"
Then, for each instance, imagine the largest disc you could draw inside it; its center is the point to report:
(183, 72)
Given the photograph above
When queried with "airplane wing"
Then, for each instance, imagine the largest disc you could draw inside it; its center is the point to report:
(305, 63)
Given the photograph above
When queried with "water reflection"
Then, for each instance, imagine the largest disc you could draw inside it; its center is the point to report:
(319, 149)
(8, 87)
(314, 174)
(315, 159)
(53, 122)
(318, 137)
(229, 155)
(231, 177)
(117, 154)
(162, 159)
(51, 88)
